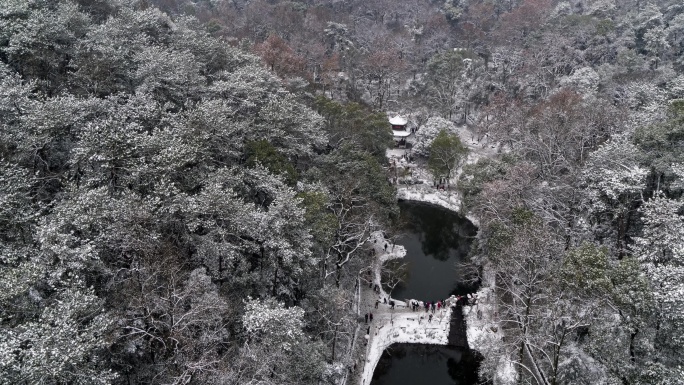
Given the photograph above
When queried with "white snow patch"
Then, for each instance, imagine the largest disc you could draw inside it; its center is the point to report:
(415, 183)
(483, 329)
(505, 372)
(404, 326)
(449, 200)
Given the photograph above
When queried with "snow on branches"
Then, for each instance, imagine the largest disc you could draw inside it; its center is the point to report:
(270, 321)
(613, 172)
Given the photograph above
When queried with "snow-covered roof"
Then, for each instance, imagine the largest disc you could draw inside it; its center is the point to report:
(401, 134)
(398, 121)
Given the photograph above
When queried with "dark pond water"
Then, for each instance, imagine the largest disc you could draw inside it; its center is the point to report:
(435, 240)
(426, 365)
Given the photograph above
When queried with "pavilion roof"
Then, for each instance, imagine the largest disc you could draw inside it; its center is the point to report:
(398, 121)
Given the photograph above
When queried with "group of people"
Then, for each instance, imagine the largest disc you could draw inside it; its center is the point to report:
(468, 299)
(429, 306)
(384, 300)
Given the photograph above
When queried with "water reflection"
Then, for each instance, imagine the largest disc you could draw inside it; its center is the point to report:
(435, 240)
(403, 364)
(442, 234)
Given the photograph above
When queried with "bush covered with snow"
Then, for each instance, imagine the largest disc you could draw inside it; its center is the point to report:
(272, 321)
(429, 131)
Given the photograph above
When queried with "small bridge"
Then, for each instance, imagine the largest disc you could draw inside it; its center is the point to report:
(405, 326)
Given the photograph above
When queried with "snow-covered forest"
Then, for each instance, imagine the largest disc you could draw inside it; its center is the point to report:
(188, 187)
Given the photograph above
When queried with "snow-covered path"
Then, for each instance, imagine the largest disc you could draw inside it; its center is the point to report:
(398, 325)
(402, 326)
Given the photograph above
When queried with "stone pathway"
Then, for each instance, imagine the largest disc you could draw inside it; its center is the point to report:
(389, 326)
(401, 326)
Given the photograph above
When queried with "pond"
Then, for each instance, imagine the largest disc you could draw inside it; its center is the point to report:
(404, 364)
(436, 240)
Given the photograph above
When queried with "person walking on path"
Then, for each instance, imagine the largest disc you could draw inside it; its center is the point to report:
(366, 317)
(377, 302)
(370, 317)
(430, 318)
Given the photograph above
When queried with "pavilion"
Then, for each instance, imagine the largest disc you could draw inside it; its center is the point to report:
(399, 130)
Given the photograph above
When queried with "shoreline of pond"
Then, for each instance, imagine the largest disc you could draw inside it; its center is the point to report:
(483, 324)
(451, 207)
(447, 218)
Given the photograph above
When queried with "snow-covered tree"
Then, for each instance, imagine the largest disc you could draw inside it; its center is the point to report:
(175, 315)
(615, 179)
(446, 154)
(39, 39)
(585, 80)
(656, 42)
(357, 204)
(521, 254)
(270, 322)
(278, 349)
(427, 132)
(126, 164)
(449, 81)
(63, 344)
(614, 174)
(660, 249)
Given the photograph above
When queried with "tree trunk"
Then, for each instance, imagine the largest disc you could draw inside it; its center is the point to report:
(338, 274)
(556, 357)
(621, 230)
(275, 282)
(631, 345)
(334, 344)
(520, 359)
(521, 351)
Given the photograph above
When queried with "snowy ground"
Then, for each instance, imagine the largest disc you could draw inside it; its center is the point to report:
(484, 330)
(421, 186)
(402, 326)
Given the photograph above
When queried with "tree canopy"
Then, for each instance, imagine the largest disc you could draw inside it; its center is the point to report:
(154, 179)
(446, 154)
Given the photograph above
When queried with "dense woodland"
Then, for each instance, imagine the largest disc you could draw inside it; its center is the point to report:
(187, 187)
